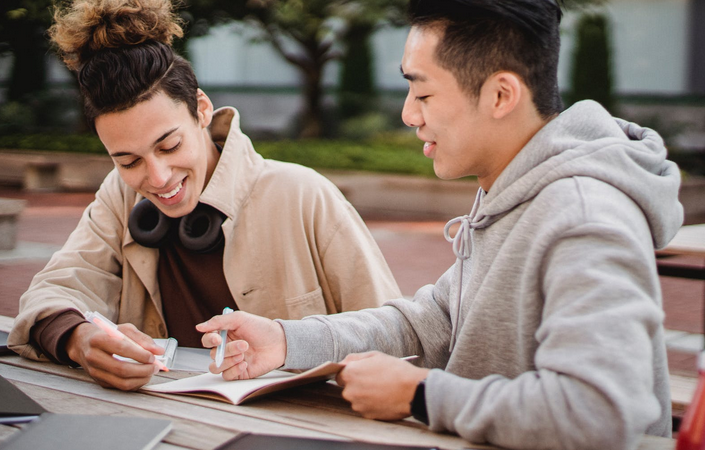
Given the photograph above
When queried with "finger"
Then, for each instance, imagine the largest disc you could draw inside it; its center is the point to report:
(357, 357)
(98, 360)
(236, 372)
(113, 380)
(123, 347)
(222, 322)
(141, 339)
(210, 340)
(228, 363)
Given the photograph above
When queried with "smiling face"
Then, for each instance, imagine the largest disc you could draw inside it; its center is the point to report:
(454, 126)
(162, 151)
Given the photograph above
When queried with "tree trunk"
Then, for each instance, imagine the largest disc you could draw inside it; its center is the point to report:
(29, 67)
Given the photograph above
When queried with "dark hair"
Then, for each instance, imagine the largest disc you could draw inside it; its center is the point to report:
(481, 37)
(121, 51)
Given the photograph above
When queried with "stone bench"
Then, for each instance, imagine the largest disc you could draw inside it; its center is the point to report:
(10, 209)
(41, 176)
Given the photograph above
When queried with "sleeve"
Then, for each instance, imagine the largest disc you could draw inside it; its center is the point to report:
(355, 269)
(399, 328)
(84, 275)
(593, 383)
(50, 334)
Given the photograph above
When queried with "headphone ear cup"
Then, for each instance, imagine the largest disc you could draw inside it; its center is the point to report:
(149, 226)
(200, 230)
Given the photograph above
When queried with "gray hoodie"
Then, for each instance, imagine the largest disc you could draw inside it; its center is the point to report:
(557, 341)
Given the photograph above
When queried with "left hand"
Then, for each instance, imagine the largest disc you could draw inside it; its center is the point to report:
(379, 386)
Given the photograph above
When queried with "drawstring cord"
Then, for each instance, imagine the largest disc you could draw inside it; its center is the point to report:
(462, 247)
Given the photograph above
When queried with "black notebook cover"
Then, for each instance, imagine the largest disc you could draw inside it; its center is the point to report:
(16, 406)
(246, 441)
(83, 432)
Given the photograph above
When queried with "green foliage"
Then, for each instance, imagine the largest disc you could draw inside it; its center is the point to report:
(365, 126)
(78, 143)
(373, 155)
(592, 65)
(357, 90)
(392, 152)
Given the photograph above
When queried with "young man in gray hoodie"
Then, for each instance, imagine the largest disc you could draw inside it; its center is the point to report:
(547, 332)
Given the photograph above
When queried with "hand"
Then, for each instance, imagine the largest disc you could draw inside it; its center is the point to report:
(256, 345)
(379, 386)
(93, 349)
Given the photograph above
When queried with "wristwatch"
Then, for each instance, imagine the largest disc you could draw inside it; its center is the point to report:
(418, 404)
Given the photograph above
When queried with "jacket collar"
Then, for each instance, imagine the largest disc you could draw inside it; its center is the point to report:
(238, 168)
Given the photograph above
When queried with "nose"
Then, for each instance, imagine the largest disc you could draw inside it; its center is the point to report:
(411, 114)
(159, 173)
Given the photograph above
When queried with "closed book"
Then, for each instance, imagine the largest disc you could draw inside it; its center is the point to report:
(84, 432)
(16, 406)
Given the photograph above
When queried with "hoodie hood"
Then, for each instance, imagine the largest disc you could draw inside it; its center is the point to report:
(586, 141)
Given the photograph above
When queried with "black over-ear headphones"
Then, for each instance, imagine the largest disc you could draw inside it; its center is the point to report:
(199, 231)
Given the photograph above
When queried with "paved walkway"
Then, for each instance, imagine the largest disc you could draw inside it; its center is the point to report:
(416, 252)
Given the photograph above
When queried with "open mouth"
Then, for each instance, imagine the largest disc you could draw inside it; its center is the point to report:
(172, 193)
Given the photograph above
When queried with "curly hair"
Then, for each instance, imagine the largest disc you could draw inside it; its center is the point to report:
(121, 52)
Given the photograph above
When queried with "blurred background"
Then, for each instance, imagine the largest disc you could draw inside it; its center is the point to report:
(325, 70)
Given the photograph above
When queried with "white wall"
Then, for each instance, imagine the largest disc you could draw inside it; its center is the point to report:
(649, 43)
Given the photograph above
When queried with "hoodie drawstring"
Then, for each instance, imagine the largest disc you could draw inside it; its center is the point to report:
(462, 247)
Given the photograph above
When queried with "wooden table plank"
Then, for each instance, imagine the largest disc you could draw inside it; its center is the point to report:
(690, 240)
(682, 391)
(83, 394)
(291, 408)
(6, 323)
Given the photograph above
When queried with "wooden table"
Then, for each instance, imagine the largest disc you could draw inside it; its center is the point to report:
(313, 411)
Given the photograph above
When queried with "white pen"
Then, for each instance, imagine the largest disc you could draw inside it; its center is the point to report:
(220, 352)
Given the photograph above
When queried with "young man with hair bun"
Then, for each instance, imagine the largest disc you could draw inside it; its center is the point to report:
(192, 219)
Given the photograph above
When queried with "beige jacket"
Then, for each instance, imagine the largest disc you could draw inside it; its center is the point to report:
(293, 247)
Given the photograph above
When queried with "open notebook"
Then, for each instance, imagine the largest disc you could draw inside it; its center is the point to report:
(215, 387)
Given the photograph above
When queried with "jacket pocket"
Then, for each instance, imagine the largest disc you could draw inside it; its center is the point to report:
(306, 304)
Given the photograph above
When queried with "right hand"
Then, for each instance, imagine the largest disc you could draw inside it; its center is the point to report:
(93, 349)
(256, 345)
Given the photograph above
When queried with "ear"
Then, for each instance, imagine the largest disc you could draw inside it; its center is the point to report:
(205, 109)
(506, 91)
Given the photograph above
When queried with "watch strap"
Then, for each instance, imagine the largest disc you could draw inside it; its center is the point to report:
(418, 404)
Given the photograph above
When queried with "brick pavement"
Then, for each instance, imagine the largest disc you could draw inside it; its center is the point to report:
(416, 252)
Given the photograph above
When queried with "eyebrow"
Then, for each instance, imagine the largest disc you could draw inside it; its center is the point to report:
(412, 76)
(160, 139)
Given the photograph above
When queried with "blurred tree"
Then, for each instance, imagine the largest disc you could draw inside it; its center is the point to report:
(591, 73)
(23, 24)
(306, 33)
(357, 92)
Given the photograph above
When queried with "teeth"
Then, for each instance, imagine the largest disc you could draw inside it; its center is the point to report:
(427, 145)
(172, 193)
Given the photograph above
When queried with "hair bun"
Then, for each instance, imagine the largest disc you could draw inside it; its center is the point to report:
(87, 26)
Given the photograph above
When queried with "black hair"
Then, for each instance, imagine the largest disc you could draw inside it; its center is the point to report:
(482, 37)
